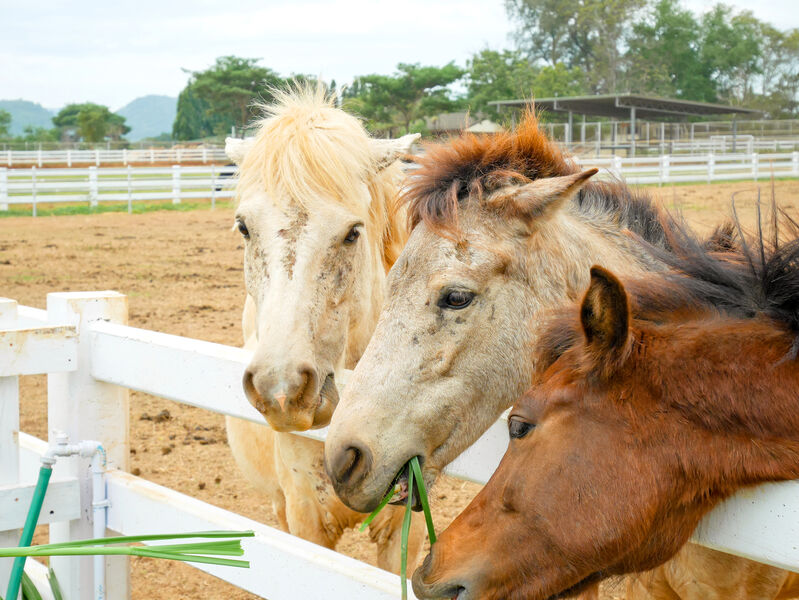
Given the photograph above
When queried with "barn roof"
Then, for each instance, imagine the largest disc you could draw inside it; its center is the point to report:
(619, 105)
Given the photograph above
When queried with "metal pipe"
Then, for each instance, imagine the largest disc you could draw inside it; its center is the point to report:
(62, 448)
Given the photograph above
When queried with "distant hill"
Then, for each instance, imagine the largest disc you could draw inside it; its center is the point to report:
(24, 113)
(149, 116)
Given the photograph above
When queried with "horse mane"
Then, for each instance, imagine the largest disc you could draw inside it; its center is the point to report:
(733, 274)
(759, 277)
(470, 168)
(305, 147)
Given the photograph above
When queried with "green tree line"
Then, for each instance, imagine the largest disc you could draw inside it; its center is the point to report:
(87, 122)
(560, 48)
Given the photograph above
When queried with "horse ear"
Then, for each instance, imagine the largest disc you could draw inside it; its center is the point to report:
(605, 317)
(385, 152)
(545, 196)
(236, 148)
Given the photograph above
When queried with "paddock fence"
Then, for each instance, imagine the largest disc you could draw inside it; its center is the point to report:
(33, 186)
(93, 185)
(98, 157)
(93, 358)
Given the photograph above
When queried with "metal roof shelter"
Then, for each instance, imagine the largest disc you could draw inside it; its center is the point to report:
(626, 106)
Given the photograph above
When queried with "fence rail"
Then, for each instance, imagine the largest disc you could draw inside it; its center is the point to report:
(138, 156)
(759, 523)
(131, 184)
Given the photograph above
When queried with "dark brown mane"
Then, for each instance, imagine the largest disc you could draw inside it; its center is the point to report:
(471, 167)
(756, 278)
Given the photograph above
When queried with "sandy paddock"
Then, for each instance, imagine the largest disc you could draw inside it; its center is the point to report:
(182, 274)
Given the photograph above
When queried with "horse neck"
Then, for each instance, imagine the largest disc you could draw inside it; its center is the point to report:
(745, 413)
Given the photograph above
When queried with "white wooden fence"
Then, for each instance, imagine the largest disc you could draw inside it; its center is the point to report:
(93, 358)
(706, 168)
(129, 184)
(153, 156)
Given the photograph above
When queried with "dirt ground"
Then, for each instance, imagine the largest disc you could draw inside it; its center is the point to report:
(182, 274)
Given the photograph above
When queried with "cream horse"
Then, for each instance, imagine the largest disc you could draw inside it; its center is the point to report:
(318, 216)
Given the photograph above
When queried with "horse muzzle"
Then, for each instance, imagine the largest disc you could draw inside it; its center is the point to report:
(291, 399)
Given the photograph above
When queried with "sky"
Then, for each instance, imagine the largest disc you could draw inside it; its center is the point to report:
(55, 52)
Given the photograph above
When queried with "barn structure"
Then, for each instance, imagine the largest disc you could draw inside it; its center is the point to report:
(627, 108)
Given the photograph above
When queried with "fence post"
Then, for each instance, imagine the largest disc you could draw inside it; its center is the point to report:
(4, 187)
(205, 155)
(9, 437)
(175, 184)
(33, 188)
(39, 157)
(754, 165)
(711, 164)
(152, 156)
(130, 192)
(616, 166)
(213, 184)
(94, 191)
(86, 409)
(125, 156)
(96, 157)
(10, 161)
(69, 158)
(179, 154)
(795, 163)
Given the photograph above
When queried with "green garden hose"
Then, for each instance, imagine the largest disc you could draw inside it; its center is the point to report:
(27, 532)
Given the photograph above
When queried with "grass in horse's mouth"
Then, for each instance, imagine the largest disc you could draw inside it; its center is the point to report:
(398, 493)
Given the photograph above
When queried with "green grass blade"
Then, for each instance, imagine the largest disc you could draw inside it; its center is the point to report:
(133, 539)
(380, 507)
(406, 530)
(417, 471)
(54, 585)
(29, 591)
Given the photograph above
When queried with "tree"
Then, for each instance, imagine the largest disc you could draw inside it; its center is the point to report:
(578, 33)
(545, 29)
(90, 122)
(5, 122)
(731, 50)
(221, 97)
(664, 55)
(397, 101)
(498, 75)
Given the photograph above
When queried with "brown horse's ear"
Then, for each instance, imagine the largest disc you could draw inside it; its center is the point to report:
(605, 317)
(544, 197)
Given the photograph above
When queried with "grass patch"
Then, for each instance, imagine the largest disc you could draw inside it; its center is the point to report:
(139, 207)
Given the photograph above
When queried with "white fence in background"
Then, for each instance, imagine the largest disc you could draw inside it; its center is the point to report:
(92, 359)
(707, 168)
(40, 158)
(128, 184)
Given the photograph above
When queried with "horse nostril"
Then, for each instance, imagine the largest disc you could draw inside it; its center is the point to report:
(351, 465)
(249, 386)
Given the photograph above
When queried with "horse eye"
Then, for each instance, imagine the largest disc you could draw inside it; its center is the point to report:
(518, 428)
(353, 235)
(243, 229)
(456, 299)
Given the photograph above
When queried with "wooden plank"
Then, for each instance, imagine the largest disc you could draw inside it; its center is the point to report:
(283, 567)
(61, 503)
(759, 523)
(37, 350)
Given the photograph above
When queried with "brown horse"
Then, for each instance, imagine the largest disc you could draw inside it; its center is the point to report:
(653, 404)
